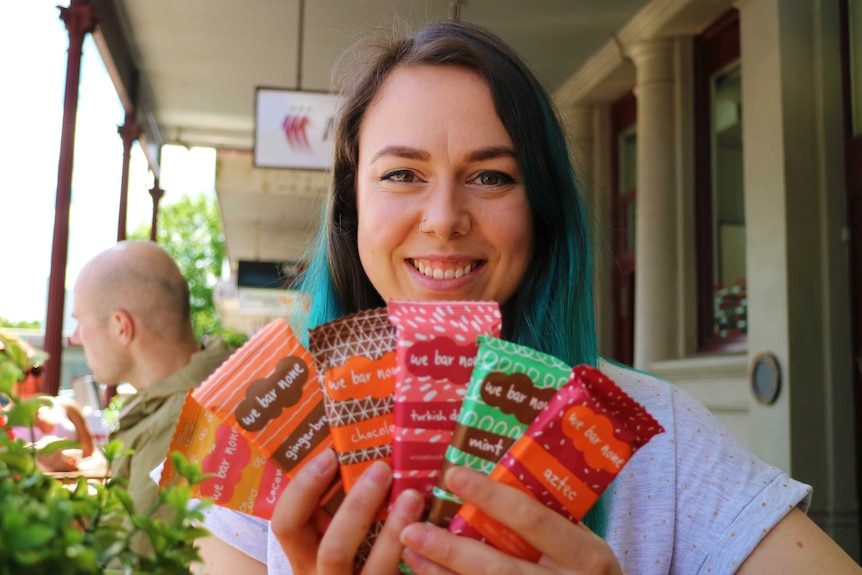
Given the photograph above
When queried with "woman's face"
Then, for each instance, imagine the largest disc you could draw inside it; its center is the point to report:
(442, 209)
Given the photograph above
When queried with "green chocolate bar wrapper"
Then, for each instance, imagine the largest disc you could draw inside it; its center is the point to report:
(509, 385)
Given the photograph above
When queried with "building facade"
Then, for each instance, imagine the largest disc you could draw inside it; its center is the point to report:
(713, 142)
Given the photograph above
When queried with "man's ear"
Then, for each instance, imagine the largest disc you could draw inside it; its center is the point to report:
(123, 326)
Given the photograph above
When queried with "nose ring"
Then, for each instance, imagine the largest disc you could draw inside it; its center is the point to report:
(421, 226)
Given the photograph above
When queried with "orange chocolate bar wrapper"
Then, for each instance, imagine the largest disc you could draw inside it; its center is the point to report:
(269, 391)
(355, 356)
(242, 478)
(567, 457)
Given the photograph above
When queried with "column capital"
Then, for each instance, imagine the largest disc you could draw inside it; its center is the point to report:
(129, 132)
(156, 192)
(80, 18)
(654, 61)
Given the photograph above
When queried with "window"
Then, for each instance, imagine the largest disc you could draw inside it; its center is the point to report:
(720, 198)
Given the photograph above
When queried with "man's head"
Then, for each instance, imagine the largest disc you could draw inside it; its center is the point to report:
(132, 307)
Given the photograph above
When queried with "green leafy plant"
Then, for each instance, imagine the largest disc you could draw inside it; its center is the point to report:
(51, 527)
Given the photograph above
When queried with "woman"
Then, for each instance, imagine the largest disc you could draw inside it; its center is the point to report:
(452, 181)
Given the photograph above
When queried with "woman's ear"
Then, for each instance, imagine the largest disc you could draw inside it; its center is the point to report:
(123, 326)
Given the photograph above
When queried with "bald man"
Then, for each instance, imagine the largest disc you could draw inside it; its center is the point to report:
(132, 307)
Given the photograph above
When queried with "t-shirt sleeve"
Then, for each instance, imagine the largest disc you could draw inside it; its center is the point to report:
(250, 535)
(244, 532)
(727, 498)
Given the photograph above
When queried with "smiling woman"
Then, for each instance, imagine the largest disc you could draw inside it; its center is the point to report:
(452, 181)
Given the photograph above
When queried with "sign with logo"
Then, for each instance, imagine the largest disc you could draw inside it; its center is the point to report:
(294, 129)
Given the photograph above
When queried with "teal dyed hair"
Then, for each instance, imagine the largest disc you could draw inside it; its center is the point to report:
(552, 310)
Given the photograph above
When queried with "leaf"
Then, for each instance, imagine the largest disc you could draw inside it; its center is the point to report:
(114, 450)
(23, 412)
(125, 500)
(22, 462)
(9, 374)
(34, 536)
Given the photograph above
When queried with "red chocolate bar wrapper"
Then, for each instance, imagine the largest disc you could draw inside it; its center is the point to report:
(355, 356)
(567, 457)
(436, 350)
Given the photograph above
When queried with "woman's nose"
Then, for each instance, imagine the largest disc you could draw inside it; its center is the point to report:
(446, 214)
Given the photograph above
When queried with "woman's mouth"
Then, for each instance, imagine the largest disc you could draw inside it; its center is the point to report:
(443, 270)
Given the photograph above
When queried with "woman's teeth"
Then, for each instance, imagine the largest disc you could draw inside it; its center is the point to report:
(440, 273)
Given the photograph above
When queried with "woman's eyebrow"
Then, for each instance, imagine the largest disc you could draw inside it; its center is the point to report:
(491, 153)
(402, 152)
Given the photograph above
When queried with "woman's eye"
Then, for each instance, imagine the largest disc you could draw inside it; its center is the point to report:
(492, 179)
(400, 176)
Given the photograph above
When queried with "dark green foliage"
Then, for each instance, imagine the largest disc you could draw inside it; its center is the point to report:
(56, 528)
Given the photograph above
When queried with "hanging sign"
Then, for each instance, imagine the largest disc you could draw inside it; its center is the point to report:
(294, 129)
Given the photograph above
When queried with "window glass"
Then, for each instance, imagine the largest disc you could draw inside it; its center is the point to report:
(855, 36)
(628, 170)
(728, 205)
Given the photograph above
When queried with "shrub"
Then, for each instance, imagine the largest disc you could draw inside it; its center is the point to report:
(51, 527)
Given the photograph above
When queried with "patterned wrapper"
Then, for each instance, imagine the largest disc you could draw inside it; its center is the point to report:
(435, 355)
(355, 357)
(242, 478)
(509, 386)
(269, 391)
(567, 457)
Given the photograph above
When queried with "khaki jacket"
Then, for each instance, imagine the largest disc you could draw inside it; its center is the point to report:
(147, 422)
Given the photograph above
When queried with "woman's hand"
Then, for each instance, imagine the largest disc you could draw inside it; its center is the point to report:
(566, 547)
(295, 517)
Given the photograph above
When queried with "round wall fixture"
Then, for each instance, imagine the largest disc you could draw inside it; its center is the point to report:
(764, 378)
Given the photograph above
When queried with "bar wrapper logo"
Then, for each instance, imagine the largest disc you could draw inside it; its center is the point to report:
(360, 377)
(515, 394)
(227, 473)
(442, 359)
(593, 434)
(266, 398)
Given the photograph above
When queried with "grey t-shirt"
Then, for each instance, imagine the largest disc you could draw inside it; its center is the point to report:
(694, 500)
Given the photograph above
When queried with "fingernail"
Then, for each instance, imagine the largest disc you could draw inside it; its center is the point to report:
(377, 473)
(415, 535)
(457, 479)
(323, 462)
(413, 560)
(409, 503)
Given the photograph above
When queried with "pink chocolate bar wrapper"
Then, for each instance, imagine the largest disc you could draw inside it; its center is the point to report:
(435, 354)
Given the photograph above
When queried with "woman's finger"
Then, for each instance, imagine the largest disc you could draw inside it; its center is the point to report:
(422, 566)
(293, 520)
(563, 543)
(353, 519)
(431, 550)
(385, 556)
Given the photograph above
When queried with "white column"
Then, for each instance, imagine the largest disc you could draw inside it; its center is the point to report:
(656, 268)
(588, 130)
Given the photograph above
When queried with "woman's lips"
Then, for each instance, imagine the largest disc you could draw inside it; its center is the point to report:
(444, 270)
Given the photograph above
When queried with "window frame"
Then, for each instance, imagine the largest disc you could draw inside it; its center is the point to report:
(623, 121)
